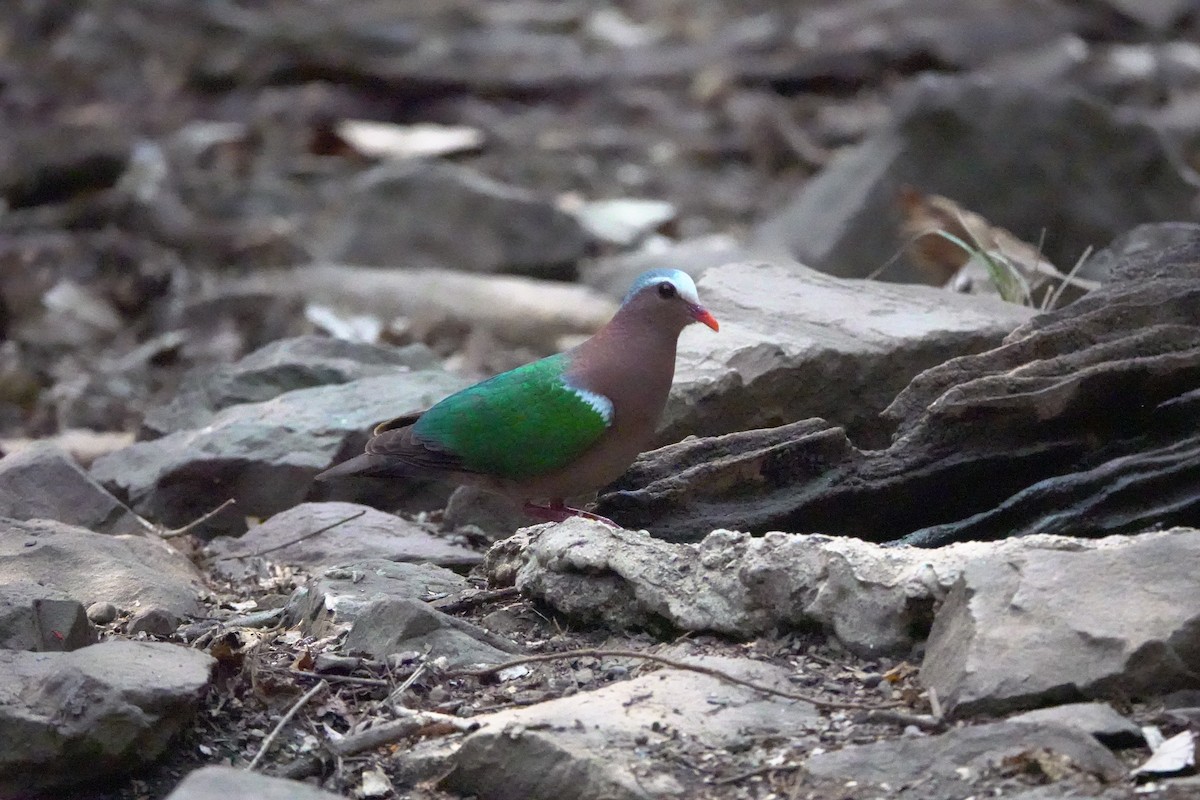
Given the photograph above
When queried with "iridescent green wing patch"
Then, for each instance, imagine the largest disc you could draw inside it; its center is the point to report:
(519, 424)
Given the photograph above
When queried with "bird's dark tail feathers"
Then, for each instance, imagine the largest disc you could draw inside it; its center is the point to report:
(366, 465)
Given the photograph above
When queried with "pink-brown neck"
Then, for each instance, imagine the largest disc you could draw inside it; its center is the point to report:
(631, 360)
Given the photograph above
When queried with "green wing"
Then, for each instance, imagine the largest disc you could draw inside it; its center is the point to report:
(521, 423)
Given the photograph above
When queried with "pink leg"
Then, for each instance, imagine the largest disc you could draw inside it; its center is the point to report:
(559, 511)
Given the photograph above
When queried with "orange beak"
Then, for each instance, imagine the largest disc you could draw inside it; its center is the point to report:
(702, 314)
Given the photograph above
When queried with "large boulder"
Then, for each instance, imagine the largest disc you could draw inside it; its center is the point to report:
(996, 148)
(77, 718)
(1023, 631)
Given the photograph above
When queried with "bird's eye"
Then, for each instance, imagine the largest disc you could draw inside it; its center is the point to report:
(666, 290)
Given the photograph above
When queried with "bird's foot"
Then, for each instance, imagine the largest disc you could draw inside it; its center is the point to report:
(559, 512)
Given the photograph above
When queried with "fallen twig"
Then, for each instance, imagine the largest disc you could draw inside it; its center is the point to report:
(477, 599)
(394, 730)
(196, 523)
(753, 773)
(300, 673)
(288, 717)
(275, 547)
(201, 633)
(377, 736)
(935, 704)
(677, 664)
(891, 716)
(394, 695)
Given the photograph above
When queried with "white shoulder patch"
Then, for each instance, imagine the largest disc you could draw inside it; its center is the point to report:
(601, 404)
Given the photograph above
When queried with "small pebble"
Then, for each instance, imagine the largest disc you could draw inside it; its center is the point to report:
(101, 613)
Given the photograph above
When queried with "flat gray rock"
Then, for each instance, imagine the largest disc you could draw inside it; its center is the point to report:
(264, 455)
(80, 717)
(370, 534)
(336, 596)
(1099, 719)
(1025, 631)
(789, 350)
(230, 783)
(131, 572)
(300, 362)
(975, 749)
(403, 625)
(42, 481)
(995, 148)
(586, 746)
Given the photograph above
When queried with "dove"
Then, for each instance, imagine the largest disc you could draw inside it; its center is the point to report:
(556, 428)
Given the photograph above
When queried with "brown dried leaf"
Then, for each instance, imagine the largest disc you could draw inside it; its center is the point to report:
(928, 217)
(304, 661)
(900, 672)
(1045, 765)
(230, 648)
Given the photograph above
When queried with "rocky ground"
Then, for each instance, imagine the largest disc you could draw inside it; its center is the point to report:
(924, 518)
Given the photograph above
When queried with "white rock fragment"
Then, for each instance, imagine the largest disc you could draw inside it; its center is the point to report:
(422, 139)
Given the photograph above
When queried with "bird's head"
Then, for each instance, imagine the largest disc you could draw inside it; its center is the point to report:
(668, 296)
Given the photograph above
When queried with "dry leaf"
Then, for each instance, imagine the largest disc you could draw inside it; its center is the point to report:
(304, 661)
(900, 672)
(953, 245)
(1043, 764)
(230, 648)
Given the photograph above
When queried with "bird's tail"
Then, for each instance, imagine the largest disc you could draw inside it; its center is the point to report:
(365, 465)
